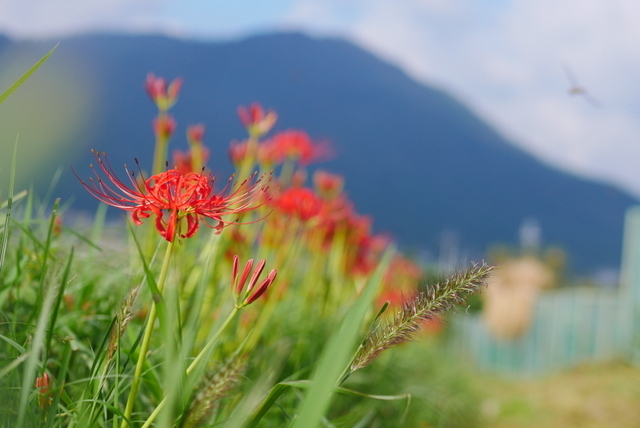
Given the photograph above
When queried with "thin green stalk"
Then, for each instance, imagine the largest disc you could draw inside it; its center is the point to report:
(194, 363)
(249, 161)
(160, 154)
(145, 341)
(7, 218)
(47, 249)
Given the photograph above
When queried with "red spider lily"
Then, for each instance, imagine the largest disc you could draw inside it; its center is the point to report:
(328, 185)
(195, 133)
(401, 280)
(238, 152)
(184, 161)
(297, 145)
(157, 89)
(264, 153)
(255, 121)
(164, 126)
(178, 201)
(42, 384)
(300, 202)
(197, 155)
(252, 292)
(268, 154)
(368, 250)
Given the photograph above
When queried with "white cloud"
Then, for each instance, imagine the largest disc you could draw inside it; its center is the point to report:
(44, 18)
(507, 62)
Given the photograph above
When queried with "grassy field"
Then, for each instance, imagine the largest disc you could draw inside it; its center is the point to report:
(590, 396)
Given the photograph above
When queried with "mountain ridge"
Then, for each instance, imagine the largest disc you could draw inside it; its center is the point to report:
(413, 156)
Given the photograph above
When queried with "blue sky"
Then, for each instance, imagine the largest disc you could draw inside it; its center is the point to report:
(506, 59)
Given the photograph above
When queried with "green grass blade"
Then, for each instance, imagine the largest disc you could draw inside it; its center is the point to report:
(47, 196)
(13, 343)
(56, 308)
(47, 249)
(59, 386)
(271, 399)
(16, 198)
(15, 363)
(28, 380)
(155, 292)
(26, 75)
(7, 218)
(337, 353)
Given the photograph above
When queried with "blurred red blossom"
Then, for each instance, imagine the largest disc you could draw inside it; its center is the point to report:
(297, 145)
(164, 97)
(255, 121)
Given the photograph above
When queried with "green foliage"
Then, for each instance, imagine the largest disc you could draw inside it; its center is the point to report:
(80, 345)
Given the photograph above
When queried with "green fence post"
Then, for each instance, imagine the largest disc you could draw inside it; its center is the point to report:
(630, 284)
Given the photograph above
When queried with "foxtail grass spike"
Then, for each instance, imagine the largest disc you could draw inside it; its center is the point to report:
(215, 386)
(125, 315)
(439, 299)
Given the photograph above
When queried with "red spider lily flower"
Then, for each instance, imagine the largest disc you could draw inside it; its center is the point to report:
(178, 201)
(42, 384)
(401, 280)
(268, 154)
(184, 161)
(57, 225)
(195, 133)
(297, 145)
(368, 252)
(255, 121)
(300, 202)
(238, 152)
(328, 185)
(157, 89)
(164, 126)
(252, 292)
(197, 155)
(299, 177)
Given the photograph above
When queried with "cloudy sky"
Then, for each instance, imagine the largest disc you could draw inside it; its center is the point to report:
(514, 62)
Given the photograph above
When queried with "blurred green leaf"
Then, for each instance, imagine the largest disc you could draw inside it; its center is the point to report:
(26, 75)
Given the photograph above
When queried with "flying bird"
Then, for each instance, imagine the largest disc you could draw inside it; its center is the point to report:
(578, 90)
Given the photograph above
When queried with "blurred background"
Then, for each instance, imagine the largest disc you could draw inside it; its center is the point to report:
(504, 129)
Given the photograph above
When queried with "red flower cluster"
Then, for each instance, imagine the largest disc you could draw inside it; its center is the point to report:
(327, 213)
(287, 145)
(178, 201)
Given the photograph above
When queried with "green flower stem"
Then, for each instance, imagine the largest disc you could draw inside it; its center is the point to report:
(250, 160)
(194, 363)
(146, 339)
(160, 153)
(286, 173)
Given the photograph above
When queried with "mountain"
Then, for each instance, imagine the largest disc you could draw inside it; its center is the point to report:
(413, 156)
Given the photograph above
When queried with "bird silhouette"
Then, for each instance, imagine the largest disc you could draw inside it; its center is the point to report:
(578, 90)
